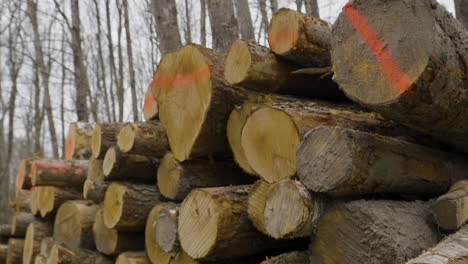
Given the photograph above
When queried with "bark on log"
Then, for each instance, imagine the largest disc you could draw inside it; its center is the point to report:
(49, 199)
(104, 136)
(46, 246)
(15, 251)
(23, 181)
(3, 252)
(33, 201)
(147, 139)
(95, 172)
(419, 81)
(59, 173)
(132, 258)
(195, 101)
(95, 191)
(155, 253)
(273, 131)
(5, 230)
(118, 165)
(20, 222)
(450, 210)
(255, 67)
(300, 38)
(74, 224)
(111, 242)
(213, 224)
(150, 106)
(341, 162)
(295, 257)
(373, 232)
(61, 254)
(451, 250)
(126, 206)
(36, 231)
(167, 237)
(177, 179)
(78, 144)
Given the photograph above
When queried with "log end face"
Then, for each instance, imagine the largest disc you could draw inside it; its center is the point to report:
(46, 200)
(155, 253)
(109, 160)
(270, 139)
(126, 138)
(28, 244)
(198, 224)
(105, 239)
(166, 232)
(238, 62)
(67, 226)
(450, 214)
(283, 31)
(96, 140)
(257, 203)
(150, 106)
(169, 173)
(113, 204)
(324, 159)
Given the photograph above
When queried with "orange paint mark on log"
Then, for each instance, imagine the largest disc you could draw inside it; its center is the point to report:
(182, 79)
(283, 37)
(59, 167)
(392, 72)
(149, 102)
(68, 149)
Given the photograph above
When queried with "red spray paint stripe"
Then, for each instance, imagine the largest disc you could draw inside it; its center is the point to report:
(392, 72)
(180, 80)
(149, 101)
(68, 149)
(55, 166)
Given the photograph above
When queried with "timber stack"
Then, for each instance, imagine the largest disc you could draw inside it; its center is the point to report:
(338, 144)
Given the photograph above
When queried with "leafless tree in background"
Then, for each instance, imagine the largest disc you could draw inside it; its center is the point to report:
(461, 9)
(203, 22)
(167, 26)
(312, 8)
(244, 19)
(224, 24)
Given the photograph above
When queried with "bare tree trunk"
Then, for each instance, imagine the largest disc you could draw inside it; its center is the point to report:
(120, 85)
(203, 22)
(38, 113)
(312, 8)
(244, 18)
(111, 60)
(167, 26)
(299, 5)
(131, 67)
(264, 21)
(224, 25)
(188, 28)
(274, 6)
(461, 9)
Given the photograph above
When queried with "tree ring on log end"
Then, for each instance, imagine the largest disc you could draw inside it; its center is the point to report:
(126, 138)
(109, 161)
(184, 90)
(67, 225)
(198, 221)
(270, 139)
(28, 244)
(105, 238)
(113, 204)
(169, 173)
(237, 62)
(283, 31)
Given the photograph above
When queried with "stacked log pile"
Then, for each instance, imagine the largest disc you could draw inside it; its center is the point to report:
(343, 144)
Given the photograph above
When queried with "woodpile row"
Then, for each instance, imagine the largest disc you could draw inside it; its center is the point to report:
(338, 144)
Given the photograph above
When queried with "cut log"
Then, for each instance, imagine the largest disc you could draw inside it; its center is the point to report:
(213, 224)
(126, 206)
(74, 224)
(20, 222)
(132, 258)
(78, 144)
(22, 201)
(95, 191)
(46, 246)
(118, 165)
(195, 101)
(61, 254)
(450, 210)
(104, 136)
(300, 38)
(32, 242)
(145, 138)
(150, 106)
(257, 203)
(177, 179)
(167, 237)
(112, 242)
(15, 251)
(340, 162)
(451, 250)
(40, 259)
(295, 257)
(49, 199)
(95, 172)
(373, 232)
(33, 200)
(255, 67)
(155, 253)
(272, 131)
(3, 252)
(59, 173)
(419, 81)
(5, 230)
(23, 181)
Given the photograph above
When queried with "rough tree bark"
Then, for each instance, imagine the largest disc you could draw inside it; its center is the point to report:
(131, 67)
(244, 19)
(167, 26)
(461, 10)
(224, 25)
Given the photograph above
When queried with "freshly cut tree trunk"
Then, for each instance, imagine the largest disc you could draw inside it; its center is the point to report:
(20, 222)
(60, 254)
(36, 231)
(49, 199)
(118, 165)
(112, 242)
(59, 173)
(150, 106)
(167, 237)
(373, 232)
(22, 202)
(213, 224)
(132, 258)
(95, 172)
(78, 144)
(177, 179)
(155, 253)
(341, 162)
(451, 250)
(74, 223)
(23, 181)
(450, 210)
(126, 206)
(104, 136)
(300, 38)
(419, 81)
(255, 67)
(195, 101)
(95, 191)
(295, 257)
(273, 131)
(15, 251)
(147, 139)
